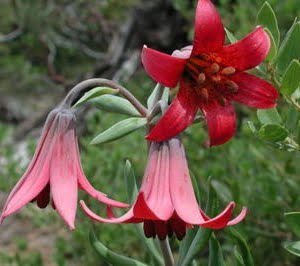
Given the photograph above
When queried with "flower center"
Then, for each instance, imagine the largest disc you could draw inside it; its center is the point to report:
(210, 79)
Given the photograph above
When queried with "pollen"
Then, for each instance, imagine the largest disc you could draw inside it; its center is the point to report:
(228, 71)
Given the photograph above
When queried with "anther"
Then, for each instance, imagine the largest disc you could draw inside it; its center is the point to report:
(222, 101)
(231, 85)
(204, 94)
(227, 71)
(214, 68)
(216, 78)
(201, 78)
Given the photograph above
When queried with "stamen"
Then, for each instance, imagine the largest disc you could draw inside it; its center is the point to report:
(232, 86)
(222, 101)
(227, 71)
(216, 78)
(204, 94)
(214, 68)
(201, 78)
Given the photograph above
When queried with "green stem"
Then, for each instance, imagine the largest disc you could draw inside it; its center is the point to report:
(167, 252)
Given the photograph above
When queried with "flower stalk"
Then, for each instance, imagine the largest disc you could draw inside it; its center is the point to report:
(167, 252)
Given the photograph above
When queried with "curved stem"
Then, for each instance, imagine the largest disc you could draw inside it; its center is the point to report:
(167, 253)
(77, 92)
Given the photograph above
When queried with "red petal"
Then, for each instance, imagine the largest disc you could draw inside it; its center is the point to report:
(209, 30)
(248, 52)
(254, 91)
(221, 220)
(126, 218)
(163, 68)
(221, 122)
(178, 117)
(239, 218)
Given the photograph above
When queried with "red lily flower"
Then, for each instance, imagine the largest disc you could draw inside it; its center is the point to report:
(55, 169)
(166, 202)
(211, 76)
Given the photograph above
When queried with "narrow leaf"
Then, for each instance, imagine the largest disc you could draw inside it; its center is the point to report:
(215, 253)
(155, 96)
(110, 256)
(269, 116)
(266, 17)
(115, 104)
(293, 247)
(291, 79)
(242, 244)
(132, 190)
(273, 50)
(223, 191)
(230, 36)
(93, 93)
(289, 49)
(293, 221)
(120, 130)
(273, 133)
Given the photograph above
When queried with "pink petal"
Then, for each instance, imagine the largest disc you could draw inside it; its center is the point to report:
(248, 52)
(126, 218)
(209, 30)
(239, 218)
(181, 188)
(221, 121)
(85, 184)
(184, 53)
(155, 190)
(36, 176)
(63, 172)
(221, 220)
(163, 68)
(178, 117)
(254, 92)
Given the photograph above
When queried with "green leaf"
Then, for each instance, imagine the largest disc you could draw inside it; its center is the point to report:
(291, 79)
(222, 191)
(155, 96)
(266, 17)
(132, 190)
(289, 49)
(269, 116)
(293, 221)
(243, 247)
(273, 133)
(215, 253)
(293, 247)
(115, 104)
(110, 256)
(120, 130)
(195, 186)
(273, 49)
(230, 36)
(93, 93)
(238, 256)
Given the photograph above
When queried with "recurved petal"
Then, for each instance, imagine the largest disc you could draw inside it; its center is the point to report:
(221, 122)
(209, 31)
(248, 52)
(181, 188)
(86, 185)
(126, 218)
(184, 53)
(239, 218)
(178, 117)
(164, 69)
(254, 92)
(221, 220)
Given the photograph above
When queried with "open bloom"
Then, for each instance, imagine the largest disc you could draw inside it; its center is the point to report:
(166, 202)
(55, 170)
(211, 75)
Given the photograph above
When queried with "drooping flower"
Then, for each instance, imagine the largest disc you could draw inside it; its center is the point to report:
(55, 171)
(166, 202)
(211, 75)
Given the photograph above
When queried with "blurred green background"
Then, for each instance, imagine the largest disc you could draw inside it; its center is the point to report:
(46, 47)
